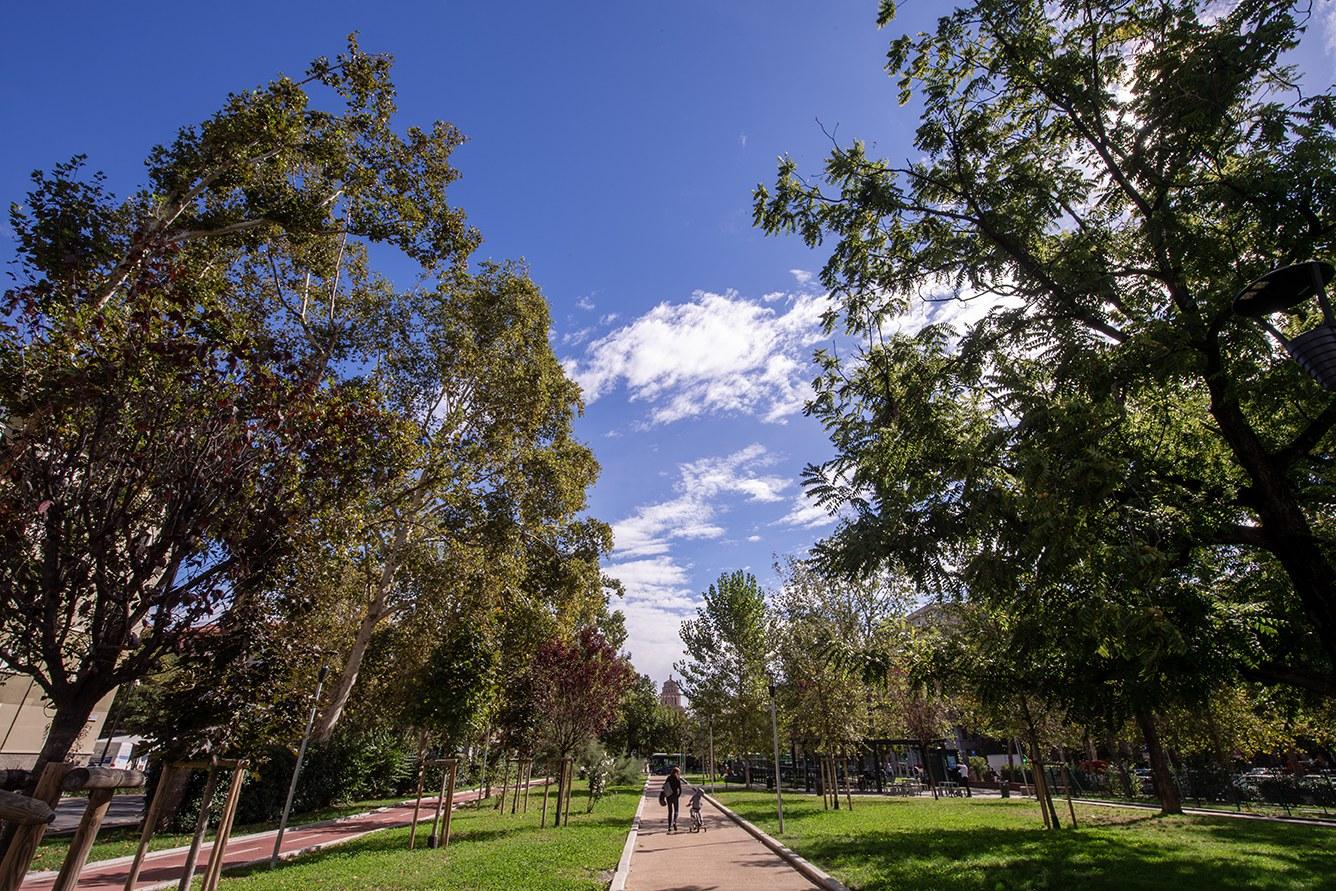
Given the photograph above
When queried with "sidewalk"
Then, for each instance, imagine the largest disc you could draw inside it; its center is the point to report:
(725, 857)
(163, 868)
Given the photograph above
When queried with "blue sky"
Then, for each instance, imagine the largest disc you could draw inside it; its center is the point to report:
(613, 146)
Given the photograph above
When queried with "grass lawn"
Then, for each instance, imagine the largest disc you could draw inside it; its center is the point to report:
(123, 842)
(997, 845)
(488, 852)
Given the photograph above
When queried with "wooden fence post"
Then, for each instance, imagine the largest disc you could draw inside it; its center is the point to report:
(220, 839)
(547, 782)
(449, 801)
(417, 805)
(201, 826)
(570, 782)
(447, 787)
(150, 821)
(82, 842)
(528, 781)
(26, 839)
(505, 783)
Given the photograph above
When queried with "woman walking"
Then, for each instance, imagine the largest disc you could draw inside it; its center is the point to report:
(672, 794)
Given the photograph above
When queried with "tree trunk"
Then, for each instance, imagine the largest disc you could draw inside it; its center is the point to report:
(1041, 787)
(375, 612)
(67, 726)
(927, 768)
(352, 665)
(173, 796)
(848, 791)
(1159, 764)
(1285, 526)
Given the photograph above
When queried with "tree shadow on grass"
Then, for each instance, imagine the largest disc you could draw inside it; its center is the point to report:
(1012, 859)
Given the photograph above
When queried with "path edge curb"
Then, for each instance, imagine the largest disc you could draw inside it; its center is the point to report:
(623, 873)
(814, 873)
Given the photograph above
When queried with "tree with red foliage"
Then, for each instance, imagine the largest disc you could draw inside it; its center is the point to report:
(578, 685)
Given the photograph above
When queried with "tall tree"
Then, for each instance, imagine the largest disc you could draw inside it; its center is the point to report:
(577, 685)
(728, 648)
(177, 379)
(1099, 181)
(490, 454)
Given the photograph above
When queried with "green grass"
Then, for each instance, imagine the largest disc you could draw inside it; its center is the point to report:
(1001, 845)
(488, 851)
(124, 841)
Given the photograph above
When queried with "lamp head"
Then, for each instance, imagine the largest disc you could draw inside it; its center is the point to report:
(1283, 288)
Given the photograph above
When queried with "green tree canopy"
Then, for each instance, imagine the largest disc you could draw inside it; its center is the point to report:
(1093, 184)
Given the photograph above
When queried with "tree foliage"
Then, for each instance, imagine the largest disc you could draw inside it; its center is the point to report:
(1097, 429)
(729, 647)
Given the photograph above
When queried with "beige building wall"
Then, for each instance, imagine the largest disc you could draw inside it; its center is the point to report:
(25, 716)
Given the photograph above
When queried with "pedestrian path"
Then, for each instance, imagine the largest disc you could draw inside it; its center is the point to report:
(724, 857)
(163, 868)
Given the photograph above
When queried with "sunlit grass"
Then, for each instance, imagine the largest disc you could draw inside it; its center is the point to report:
(1000, 845)
(488, 850)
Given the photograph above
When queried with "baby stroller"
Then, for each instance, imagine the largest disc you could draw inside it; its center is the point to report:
(697, 822)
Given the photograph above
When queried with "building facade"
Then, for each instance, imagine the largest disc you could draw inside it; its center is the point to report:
(25, 717)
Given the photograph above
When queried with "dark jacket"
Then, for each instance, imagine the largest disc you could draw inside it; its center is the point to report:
(673, 787)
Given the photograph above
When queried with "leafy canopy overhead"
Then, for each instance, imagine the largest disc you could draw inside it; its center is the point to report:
(1093, 184)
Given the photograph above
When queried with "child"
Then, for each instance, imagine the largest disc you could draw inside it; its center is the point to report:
(697, 824)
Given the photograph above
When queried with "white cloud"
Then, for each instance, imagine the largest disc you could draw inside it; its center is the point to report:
(801, 276)
(584, 303)
(716, 353)
(660, 580)
(609, 318)
(575, 338)
(805, 514)
(753, 538)
(691, 513)
(653, 638)
(1328, 15)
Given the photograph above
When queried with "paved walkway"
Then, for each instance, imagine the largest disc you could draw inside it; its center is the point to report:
(125, 810)
(163, 868)
(724, 857)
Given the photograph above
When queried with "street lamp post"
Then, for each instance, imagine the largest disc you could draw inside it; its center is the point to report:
(1283, 289)
(712, 756)
(774, 730)
(297, 768)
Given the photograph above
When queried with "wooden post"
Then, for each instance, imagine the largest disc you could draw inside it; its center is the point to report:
(24, 843)
(24, 811)
(220, 839)
(150, 821)
(528, 780)
(98, 802)
(447, 781)
(201, 826)
(505, 783)
(848, 790)
(570, 782)
(515, 795)
(547, 781)
(449, 801)
(417, 805)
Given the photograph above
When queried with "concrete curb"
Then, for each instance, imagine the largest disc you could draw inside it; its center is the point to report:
(623, 873)
(814, 873)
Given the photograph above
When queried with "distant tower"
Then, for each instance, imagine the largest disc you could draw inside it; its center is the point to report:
(672, 695)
